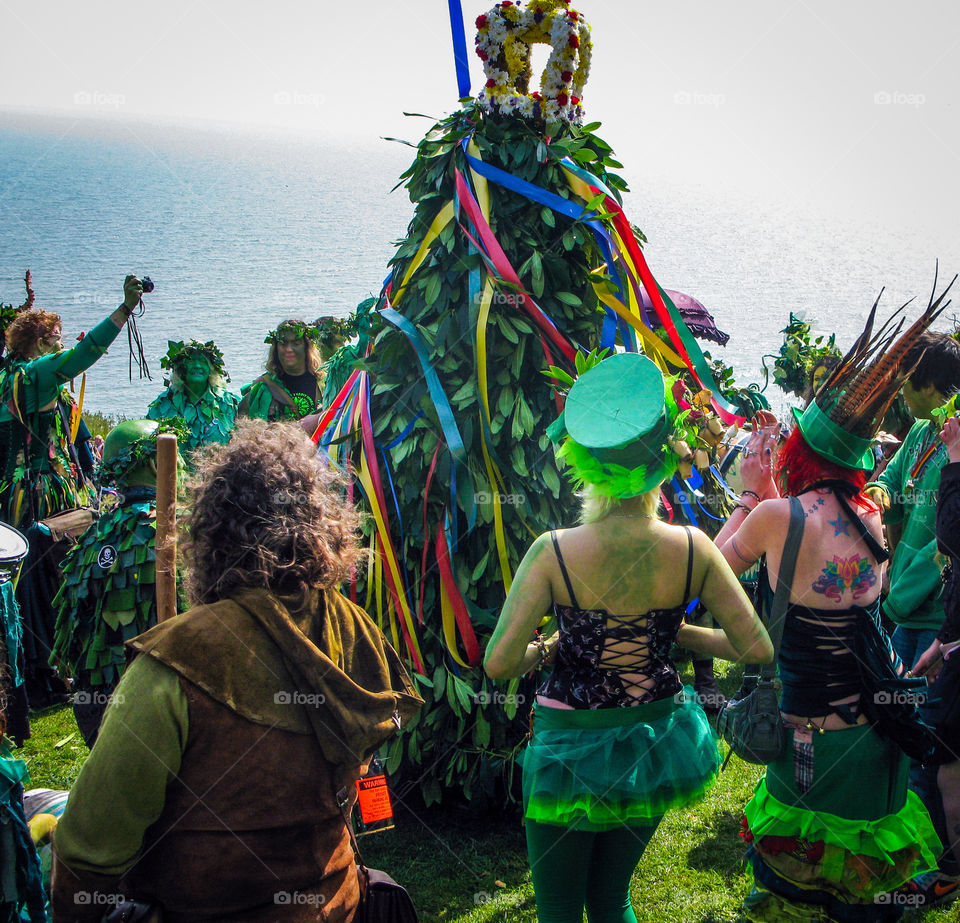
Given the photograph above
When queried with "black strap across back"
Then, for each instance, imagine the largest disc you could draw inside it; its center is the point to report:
(569, 585)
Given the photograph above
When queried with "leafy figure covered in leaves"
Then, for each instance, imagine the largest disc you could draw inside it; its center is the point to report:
(196, 393)
(108, 594)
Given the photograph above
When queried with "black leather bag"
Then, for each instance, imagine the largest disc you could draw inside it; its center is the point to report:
(752, 725)
(887, 697)
(383, 900)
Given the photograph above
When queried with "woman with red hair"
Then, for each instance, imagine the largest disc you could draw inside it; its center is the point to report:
(822, 842)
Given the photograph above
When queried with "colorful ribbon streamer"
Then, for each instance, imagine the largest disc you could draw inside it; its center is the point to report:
(459, 48)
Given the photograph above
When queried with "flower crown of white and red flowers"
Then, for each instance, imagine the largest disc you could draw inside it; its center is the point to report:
(504, 37)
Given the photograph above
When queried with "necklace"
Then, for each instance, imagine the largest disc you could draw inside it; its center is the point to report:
(629, 516)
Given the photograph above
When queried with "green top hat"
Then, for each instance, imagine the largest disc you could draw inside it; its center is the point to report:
(832, 441)
(614, 426)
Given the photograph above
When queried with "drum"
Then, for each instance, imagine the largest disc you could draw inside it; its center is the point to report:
(13, 549)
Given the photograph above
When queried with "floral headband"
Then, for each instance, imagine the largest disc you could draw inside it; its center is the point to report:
(180, 352)
(296, 327)
(333, 329)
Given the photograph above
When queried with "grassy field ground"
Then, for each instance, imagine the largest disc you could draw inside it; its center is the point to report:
(461, 867)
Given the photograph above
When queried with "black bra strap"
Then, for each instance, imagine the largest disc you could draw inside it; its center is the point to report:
(686, 589)
(563, 570)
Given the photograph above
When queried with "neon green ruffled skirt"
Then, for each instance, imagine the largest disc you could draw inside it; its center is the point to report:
(857, 832)
(595, 769)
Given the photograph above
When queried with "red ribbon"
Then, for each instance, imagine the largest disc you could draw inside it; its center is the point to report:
(462, 617)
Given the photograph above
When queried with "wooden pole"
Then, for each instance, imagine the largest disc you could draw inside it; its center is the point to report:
(166, 584)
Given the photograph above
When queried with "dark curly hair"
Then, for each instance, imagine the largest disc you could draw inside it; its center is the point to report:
(27, 330)
(266, 511)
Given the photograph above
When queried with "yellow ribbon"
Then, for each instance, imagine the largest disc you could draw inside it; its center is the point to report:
(386, 546)
(443, 218)
(370, 571)
(493, 474)
(78, 409)
(450, 626)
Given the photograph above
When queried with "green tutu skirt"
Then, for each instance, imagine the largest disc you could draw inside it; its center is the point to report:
(596, 769)
(856, 832)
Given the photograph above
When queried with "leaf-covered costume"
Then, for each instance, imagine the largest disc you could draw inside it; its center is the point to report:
(108, 594)
(39, 470)
(210, 419)
(21, 885)
(268, 398)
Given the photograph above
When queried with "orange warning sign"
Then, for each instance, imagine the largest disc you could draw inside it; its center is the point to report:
(374, 799)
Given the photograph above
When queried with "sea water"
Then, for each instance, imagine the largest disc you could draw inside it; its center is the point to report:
(239, 231)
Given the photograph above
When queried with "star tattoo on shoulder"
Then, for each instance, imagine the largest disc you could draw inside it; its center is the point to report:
(840, 526)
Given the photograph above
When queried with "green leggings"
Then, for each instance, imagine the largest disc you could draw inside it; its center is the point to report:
(576, 868)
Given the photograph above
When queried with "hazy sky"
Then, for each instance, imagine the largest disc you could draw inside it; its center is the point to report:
(843, 105)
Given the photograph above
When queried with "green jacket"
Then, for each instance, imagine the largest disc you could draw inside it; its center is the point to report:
(269, 399)
(48, 373)
(915, 599)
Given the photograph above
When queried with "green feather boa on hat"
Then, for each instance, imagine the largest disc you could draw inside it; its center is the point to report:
(618, 482)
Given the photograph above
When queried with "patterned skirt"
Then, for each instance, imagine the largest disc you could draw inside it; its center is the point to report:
(832, 826)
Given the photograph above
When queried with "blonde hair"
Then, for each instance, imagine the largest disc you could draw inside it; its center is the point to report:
(595, 505)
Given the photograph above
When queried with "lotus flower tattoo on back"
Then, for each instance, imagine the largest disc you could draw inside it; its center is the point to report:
(843, 574)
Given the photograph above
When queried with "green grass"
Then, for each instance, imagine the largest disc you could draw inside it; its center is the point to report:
(464, 867)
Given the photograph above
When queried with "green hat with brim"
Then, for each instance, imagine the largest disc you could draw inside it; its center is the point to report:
(615, 423)
(832, 441)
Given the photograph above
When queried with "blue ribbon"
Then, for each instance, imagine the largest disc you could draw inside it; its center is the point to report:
(459, 48)
(726, 487)
(627, 335)
(406, 432)
(558, 204)
(445, 415)
(680, 490)
(608, 334)
(695, 482)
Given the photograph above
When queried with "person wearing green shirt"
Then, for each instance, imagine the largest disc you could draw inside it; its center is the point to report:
(40, 470)
(215, 787)
(907, 492)
(40, 473)
(292, 386)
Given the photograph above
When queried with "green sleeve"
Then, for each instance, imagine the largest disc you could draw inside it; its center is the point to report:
(122, 786)
(914, 582)
(49, 372)
(258, 399)
(893, 478)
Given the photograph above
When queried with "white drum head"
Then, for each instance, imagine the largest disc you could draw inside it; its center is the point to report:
(13, 546)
